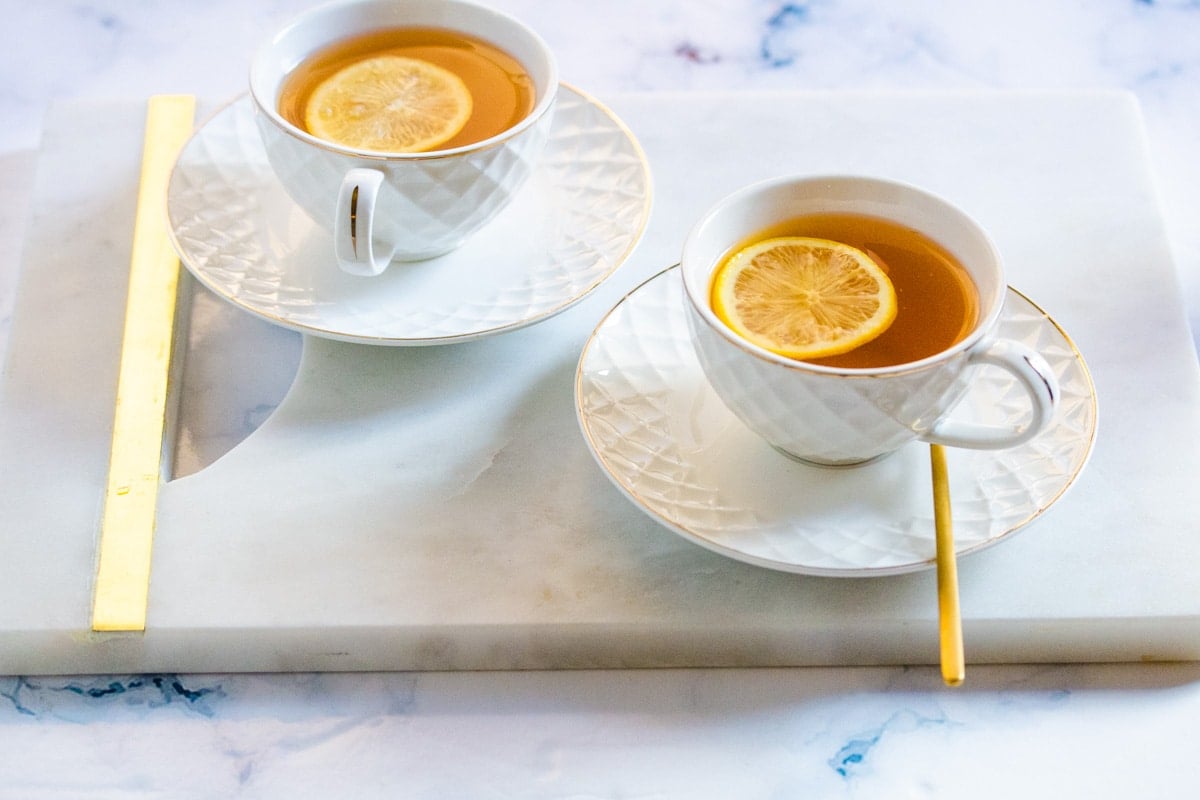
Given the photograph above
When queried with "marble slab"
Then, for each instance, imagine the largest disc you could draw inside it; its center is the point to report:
(437, 508)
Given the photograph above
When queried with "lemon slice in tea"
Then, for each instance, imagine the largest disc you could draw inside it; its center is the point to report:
(803, 297)
(391, 104)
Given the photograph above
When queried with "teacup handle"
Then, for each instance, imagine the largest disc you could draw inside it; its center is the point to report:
(1039, 382)
(354, 224)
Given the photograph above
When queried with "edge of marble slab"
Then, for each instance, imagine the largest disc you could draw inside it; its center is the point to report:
(523, 647)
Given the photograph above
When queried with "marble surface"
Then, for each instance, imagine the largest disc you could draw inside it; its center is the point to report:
(1100, 731)
(436, 507)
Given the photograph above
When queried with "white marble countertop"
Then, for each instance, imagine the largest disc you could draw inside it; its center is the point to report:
(1037, 731)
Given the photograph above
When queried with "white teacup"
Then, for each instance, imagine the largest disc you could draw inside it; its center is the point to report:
(402, 206)
(835, 416)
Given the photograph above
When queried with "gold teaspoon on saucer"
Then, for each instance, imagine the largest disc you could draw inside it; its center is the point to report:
(949, 617)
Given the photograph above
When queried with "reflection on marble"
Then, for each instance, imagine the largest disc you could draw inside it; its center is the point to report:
(1078, 731)
(238, 368)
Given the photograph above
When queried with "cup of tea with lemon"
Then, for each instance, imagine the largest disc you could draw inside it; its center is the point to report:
(841, 317)
(402, 126)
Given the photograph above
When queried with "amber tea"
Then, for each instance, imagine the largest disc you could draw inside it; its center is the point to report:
(938, 304)
(501, 89)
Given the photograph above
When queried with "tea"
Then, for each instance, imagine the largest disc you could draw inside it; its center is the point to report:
(501, 89)
(938, 304)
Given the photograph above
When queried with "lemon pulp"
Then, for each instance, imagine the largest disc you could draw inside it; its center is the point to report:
(804, 297)
(389, 103)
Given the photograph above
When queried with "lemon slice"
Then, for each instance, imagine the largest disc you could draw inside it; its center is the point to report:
(389, 103)
(803, 297)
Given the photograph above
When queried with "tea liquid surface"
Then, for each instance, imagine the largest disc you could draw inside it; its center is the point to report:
(938, 302)
(502, 91)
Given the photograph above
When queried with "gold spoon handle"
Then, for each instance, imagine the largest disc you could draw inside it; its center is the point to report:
(949, 616)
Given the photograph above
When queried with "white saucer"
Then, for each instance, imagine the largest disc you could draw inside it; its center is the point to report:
(581, 214)
(670, 444)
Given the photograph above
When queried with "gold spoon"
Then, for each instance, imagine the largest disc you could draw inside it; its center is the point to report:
(949, 617)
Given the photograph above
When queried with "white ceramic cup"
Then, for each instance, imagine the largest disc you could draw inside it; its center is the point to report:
(832, 416)
(401, 206)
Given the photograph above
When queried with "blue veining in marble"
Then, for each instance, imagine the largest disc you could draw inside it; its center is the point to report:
(35, 697)
(13, 696)
(109, 21)
(787, 17)
(849, 759)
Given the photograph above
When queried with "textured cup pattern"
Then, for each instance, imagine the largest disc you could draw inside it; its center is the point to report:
(821, 418)
(427, 206)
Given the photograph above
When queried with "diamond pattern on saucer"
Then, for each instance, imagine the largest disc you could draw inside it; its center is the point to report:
(669, 444)
(576, 220)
